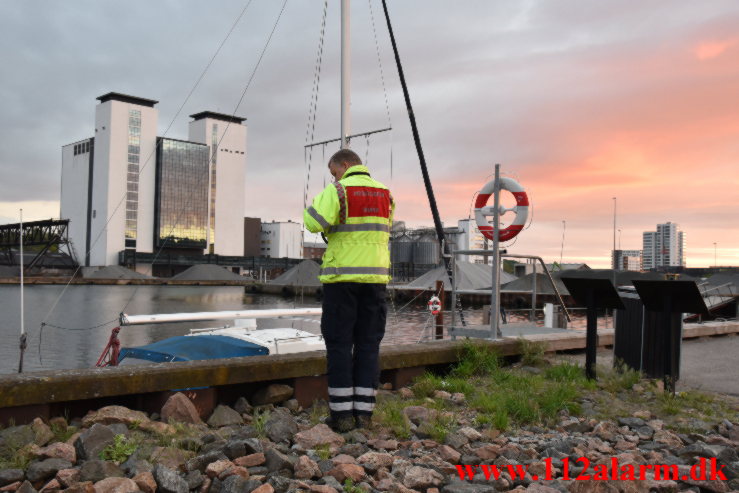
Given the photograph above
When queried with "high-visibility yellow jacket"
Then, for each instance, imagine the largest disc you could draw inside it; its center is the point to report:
(356, 214)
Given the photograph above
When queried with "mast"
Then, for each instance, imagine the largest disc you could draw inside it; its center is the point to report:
(23, 324)
(345, 73)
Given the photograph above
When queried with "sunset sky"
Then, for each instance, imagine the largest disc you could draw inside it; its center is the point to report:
(580, 101)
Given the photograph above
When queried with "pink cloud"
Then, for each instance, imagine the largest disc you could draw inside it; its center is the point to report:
(711, 49)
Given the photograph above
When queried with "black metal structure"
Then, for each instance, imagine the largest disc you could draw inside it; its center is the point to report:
(664, 299)
(46, 234)
(594, 294)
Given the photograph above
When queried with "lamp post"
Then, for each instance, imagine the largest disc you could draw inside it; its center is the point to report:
(715, 262)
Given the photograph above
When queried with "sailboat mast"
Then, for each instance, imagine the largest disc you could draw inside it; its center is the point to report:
(345, 73)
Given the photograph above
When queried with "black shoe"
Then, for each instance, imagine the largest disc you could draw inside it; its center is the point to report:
(363, 420)
(341, 424)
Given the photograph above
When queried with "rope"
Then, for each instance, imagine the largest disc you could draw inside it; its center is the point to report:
(148, 159)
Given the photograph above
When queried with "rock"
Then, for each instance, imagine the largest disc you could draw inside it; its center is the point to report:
(41, 431)
(540, 488)
(115, 414)
(146, 482)
(320, 434)
(171, 457)
(322, 488)
(383, 444)
(292, 405)
(134, 466)
(470, 434)
(39, 471)
(265, 488)
(353, 449)
(372, 461)
(250, 460)
(449, 454)
(84, 487)
(200, 462)
(343, 459)
(456, 440)
(242, 406)
(25, 487)
(631, 422)
(59, 450)
(442, 394)
(51, 487)
(96, 470)
(116, 485)
(272, 394)
(179, 408)
(342, 472)
(8, 476)
(280, 483)
(17, 436)
(487, 452)
(195, 479)
(224, 416)
(642, 414)
(306, 468)
(417, 414)
(67, 477)
(281, 426)
(157, 427)
(214, 469)
(168, 481)
(420, 478)
(92, 441)
(458, 398)
(276, 460)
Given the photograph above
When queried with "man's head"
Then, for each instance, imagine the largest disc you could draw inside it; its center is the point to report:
(342, 161)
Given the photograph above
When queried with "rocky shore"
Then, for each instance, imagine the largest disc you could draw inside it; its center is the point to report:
(271, 444)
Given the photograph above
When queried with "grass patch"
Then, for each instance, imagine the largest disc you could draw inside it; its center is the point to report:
(349, 487)
(119, 450)
(259, 421)
(318, 411)
(475, 360)
(621, 377)
(324, 451)
(532, 352)
(389, 413)
(62, 433)
(429, 383)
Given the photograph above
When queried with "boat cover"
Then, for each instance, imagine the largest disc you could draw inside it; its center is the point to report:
(187, 348)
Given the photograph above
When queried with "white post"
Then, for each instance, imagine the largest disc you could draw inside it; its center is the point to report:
(23, 325)
(345, 72)
(495, 302)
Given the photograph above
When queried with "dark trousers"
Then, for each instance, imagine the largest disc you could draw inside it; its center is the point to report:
(353, 324)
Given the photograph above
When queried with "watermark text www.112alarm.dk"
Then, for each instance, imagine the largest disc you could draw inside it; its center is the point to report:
(581, 469)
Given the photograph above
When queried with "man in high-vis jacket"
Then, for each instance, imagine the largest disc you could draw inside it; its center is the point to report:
(355, 213)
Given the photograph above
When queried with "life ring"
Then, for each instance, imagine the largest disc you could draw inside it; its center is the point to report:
(434, 305)
(482, 210)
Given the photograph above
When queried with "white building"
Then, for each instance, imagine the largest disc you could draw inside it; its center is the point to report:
(282, 239)
(470, 238)
(626, 260)
(664, 247)
(127, 190)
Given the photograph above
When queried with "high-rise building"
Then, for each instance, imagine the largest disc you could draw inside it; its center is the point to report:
(664, 247)
(127, 190)
(470, 238)
(626, 260)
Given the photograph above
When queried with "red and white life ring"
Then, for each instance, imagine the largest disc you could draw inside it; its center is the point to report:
(521, 209)
(434, 305)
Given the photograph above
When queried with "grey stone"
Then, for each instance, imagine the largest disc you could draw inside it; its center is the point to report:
(200, 462)
(16, 436)
(456, 441)
(134, 465)
(215, 486)
(356, 436)
(97, 470)
(281, 426)
(276, 460)
(631, 422)
(119, 428)
(92, 441)
(213, 447)
(332, 482)
(234, 484)
(245, 432)
(272, 394)
(257, 471)
(325, 466)
(353, 449)
(44, 469)
(26, 487)
(292, 405)
(279, 483)
(168, 481)
(224, 416)
(8, 476)
(194, 479)
(242, 406)
(645, 432)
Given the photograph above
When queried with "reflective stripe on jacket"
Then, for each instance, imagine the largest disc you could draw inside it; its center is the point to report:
(355, 213)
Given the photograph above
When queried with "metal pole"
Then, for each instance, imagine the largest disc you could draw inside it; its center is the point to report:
(715, 262)
(533, 295)
(615, 286)
(562, 248)
(495, 298)
(453, 262)
(439, 334)
(345, 73)
(23, 322)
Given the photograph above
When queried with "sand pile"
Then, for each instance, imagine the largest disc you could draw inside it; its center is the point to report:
(303, 274)
(208, 272)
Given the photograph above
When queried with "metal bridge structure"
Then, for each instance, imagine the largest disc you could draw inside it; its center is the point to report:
(46, 240)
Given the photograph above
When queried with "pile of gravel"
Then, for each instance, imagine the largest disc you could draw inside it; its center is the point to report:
(303, 274)
(207, 272)
(116, 272)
